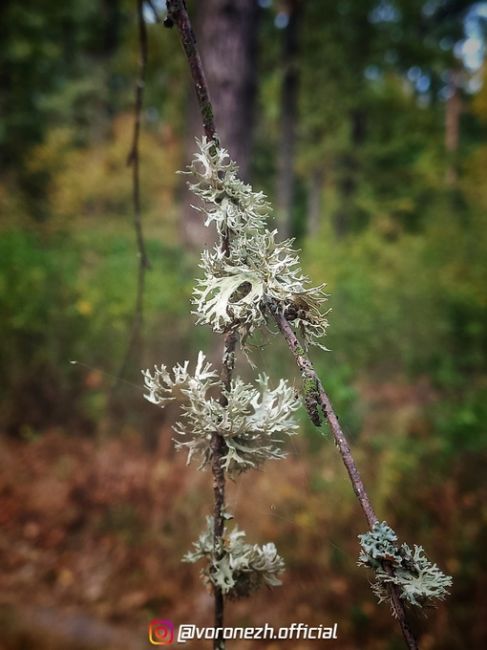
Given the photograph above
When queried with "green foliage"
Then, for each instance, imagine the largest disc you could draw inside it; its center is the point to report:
(412, 301)
(104, 188)
(70, 297)
(459, 422)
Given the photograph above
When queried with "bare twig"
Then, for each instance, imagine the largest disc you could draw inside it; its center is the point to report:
(178, 16)
(133, 160)
(315, 394)
(176, 11)
(218, 448)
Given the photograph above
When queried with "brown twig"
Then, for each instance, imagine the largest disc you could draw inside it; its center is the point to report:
(178, 15)
(218, 448)
(133, 160)
(316, 395)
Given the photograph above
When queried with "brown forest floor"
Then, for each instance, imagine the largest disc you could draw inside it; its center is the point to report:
(92, 532)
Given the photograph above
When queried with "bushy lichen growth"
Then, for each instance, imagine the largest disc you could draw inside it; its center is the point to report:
(241, 568)
(252, 423)
(238, 285)
(246, 272)
(419, 581)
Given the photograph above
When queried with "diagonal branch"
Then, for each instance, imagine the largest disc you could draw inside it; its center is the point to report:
(315, 395)
(177, 14)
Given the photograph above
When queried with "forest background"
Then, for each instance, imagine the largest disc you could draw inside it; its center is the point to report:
(365, 122)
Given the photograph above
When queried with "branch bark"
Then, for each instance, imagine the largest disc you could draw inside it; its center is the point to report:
(315, 395)
(177, 14)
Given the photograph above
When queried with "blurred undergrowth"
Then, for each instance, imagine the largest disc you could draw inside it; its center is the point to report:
(407, 368)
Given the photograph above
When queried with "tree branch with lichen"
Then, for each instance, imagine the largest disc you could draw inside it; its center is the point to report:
(177, 14)
(250, 279)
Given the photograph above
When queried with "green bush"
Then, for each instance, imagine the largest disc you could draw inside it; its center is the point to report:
(70, 297)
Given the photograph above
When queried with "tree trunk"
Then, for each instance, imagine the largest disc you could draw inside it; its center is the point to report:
(452, 126)
(315, 190)
(289, 108)
(350, 169)
(226, 31)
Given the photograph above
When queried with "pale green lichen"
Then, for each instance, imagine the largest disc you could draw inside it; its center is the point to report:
(252, 423)
(419, 581)
(238, 285)
(239, 568)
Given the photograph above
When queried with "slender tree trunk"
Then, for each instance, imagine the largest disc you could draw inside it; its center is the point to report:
(315, 191)
(452, 126)
(289, 109)
(227, 41)
(350, 169)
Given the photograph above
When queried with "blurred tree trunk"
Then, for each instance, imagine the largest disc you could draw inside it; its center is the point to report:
(226, 31)
(315, 189)
(289, 109)
(111, 19)
(452, 125)
(350, 168)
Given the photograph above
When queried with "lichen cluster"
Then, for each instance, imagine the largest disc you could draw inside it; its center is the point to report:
(238, 285)
(248, 273)
(253, 422)
(242, 568)
(419, 581)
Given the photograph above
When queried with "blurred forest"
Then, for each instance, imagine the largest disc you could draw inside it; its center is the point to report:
(365, 122)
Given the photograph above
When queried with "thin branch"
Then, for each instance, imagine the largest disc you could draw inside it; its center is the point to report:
(133, 160)
(178, 15)
(318, 396)
(218, 447)
(176, 11)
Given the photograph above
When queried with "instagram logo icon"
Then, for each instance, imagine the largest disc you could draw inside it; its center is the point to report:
(161, 632)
